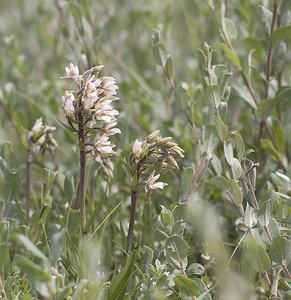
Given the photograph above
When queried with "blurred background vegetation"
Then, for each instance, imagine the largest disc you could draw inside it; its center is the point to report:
(38, 39)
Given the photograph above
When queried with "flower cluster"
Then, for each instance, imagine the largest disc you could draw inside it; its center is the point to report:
(41, 137)
(91, 106)
(154, 151)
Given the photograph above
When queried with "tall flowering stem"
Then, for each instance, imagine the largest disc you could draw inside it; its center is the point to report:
(90, 107)
(38, 139)
(154, 152)
(28, 178)
(80, 200)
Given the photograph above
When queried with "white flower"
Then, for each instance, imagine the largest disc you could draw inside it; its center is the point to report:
(89, 101)
(109, 130)
(68, 104)
(109, 85)
(41, 136)
(49, 129)
(38, 127)
(137, 148)
(92, 84)
(72, 70)
(152, 184)
(103, 147)
(105, 112)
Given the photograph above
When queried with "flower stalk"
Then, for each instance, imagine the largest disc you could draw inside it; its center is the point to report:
(80, 200)
(28, 179)
(38, 139)
(90, 106)
(156, 152)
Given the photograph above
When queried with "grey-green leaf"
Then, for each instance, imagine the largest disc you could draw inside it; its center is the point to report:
(186, 286)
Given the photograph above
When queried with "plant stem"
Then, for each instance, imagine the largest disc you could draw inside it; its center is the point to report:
(267, 230)
(28, 179)
(286, 271)
(80, 200)
(2, 282)
(249, 87)
(270, 55)
(131, 221)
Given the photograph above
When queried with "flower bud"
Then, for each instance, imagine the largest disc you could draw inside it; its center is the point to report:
(162, 142)
(72, 70)
(137, 148)
(41, 140)
(153, 137)
(38, 127)
(172, 162)
(68, 104)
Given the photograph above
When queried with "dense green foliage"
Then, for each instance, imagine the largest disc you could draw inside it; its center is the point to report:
(216, 77)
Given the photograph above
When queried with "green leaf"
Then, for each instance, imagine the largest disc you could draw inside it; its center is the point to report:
(162, 281)
(213, 93)
(268, 146)
(166, 216)
(34, 271)
(4, 258)
(68, 188)
(231, 29)
(176, 247)
(221, 128)
(267, 16)
(220, 182)
(57, 245)
(281, 180)
(237, 169)
(216, 164)
(223, 108)
(118, 285)
(159, 54)
(281, 100)
(231, 56)
(31, 247)
(244, 93)
(280, 250)
(204, 292)
(274, 228)
(236, 191)
(274, 288)
(257, 256)
(228, 152)
(23, 134)
(256, 45)
(187, 286)
(249, 216)
(195, 269)
(180, 211)
(265, 213)
(239, 143)
(169, 67)
(277, 131)
(280, 34)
